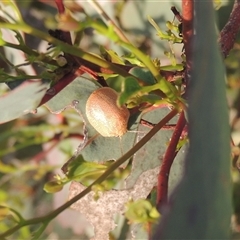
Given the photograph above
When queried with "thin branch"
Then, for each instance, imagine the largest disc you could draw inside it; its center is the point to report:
(60, 6)
(61, 10)
(110, 169)
(187, 14)
(59, 86)
(162, 186)
(230, 30)
(109, 21)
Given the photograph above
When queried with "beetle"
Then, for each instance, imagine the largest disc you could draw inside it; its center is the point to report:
(105, 115)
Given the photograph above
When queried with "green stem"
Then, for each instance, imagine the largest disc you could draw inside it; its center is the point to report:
(39, 232)
(31, 52)
(65, 47)
(105, 16)
(164, 85)
(99, 180)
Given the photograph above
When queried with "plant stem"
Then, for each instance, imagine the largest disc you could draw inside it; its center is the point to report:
(31, 52)
(101, 11)
(61, 10)
(65, 47)
(60, 85)
(60, 6)
(162, 186)
(187, 14)
(229, 32)
(164, 85)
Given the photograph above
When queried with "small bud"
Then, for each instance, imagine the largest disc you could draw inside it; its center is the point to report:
(61, 61)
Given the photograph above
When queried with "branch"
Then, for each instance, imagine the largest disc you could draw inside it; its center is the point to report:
(59, 86)
(61, 10)
(230, 30)
(109, 21)
(110, 169)
(60, 6)
(187, 14)
(162, 186)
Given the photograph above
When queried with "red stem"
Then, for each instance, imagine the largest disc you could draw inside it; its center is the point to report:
(61, 10)
(92, 69)
(59, 86)
(230, 30)
(187, 14)
(60, 6)
(162, 187)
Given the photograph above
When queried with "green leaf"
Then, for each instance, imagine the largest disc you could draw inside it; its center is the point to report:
(131, 87)
(133, 60)
(201, 205)
(133, 94)
(79, 168)
(141, 211)
(177, 67)
(143, 74)
(111, 56)
(21, 100)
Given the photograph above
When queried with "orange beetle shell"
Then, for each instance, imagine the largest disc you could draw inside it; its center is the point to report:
(104, 114)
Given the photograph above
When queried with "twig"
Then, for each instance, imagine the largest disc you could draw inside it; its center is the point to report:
(100, 10)
(59, 86)
(151, 125)
(47, 218)
(177, 14)
(162, 187)
(60, 6)
(187, 31)
(230, 30)
(61, 10)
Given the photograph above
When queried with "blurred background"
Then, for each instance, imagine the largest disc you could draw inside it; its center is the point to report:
(33, 149)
